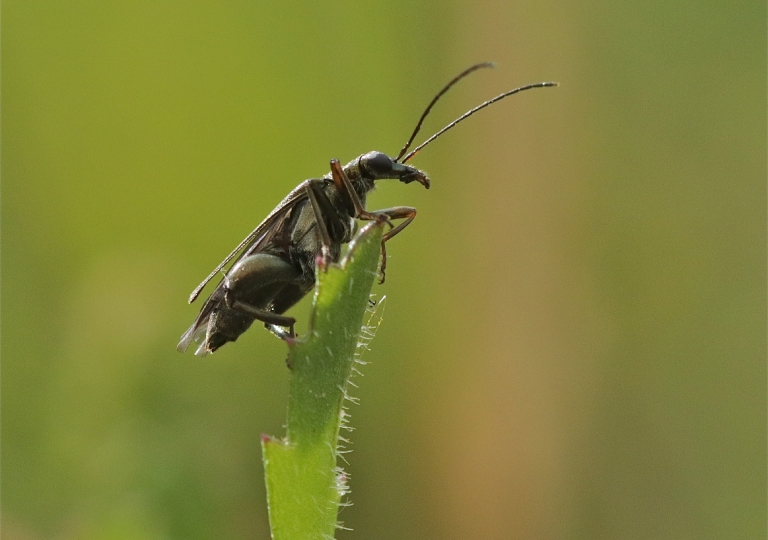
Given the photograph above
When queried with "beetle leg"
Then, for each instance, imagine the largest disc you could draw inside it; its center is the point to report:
(399, 212)
(314, 193)
(344, 185)
(285, 299)
(280, 332)
(330, 227)
(259, 278)
(270, 318)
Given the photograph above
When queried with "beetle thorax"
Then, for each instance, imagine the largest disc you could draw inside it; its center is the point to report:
(362, 184)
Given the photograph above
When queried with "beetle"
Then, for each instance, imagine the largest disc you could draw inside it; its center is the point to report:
(275, 266)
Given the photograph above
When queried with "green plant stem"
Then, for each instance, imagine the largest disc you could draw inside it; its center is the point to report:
(304, 484)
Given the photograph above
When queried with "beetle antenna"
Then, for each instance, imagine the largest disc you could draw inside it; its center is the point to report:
(434, 100)
(473, 111)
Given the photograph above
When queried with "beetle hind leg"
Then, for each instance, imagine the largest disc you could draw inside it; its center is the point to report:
(253, 284)
(270, 318)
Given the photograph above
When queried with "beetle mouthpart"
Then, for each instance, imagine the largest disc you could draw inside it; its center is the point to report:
(419, 177)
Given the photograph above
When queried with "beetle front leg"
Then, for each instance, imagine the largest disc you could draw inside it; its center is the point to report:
(408, 213)
(399, 212)
(344, 185)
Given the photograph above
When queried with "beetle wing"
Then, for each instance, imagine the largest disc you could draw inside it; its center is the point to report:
(200, 325)
(253, 243)
(260, 235)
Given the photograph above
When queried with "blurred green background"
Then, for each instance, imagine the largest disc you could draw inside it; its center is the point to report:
(573, 344)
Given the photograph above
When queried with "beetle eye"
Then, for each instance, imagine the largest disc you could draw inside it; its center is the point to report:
(377, 162)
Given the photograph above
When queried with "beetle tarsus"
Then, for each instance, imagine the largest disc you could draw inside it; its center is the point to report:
(279, 331)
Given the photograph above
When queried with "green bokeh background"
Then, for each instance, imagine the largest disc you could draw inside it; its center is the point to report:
(573, 344)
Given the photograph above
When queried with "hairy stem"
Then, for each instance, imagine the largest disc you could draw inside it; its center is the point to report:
(304, 483)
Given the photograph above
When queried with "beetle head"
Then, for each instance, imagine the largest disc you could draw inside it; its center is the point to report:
(379, 166)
